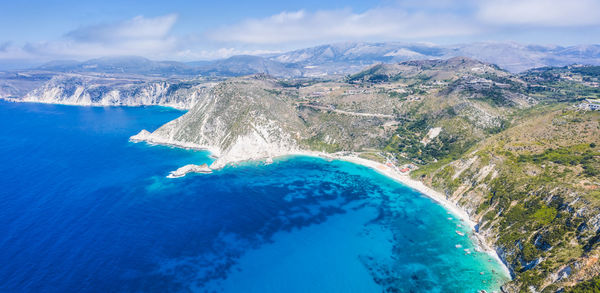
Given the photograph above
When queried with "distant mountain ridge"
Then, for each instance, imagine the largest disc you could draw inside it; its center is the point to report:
(513, 57)
(121, 65)
(341, 59)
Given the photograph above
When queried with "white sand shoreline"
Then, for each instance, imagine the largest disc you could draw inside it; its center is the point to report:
(422, 188)
(404, 179)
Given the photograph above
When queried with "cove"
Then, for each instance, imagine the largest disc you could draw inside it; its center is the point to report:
(86, 210)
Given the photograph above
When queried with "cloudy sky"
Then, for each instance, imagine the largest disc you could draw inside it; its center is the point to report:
(36, 30)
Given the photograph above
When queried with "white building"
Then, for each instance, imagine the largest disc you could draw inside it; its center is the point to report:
(591, 104)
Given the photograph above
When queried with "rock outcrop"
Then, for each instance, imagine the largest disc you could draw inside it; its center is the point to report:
(89, 90)
(190, 168)
(241, 119)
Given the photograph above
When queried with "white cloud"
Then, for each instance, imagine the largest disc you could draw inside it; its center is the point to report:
(137, 28)
(411, 20)
(217, 53)
(145, 36)
(139, 36)
(540, 13)
(403, 20)
(343, 25)
(4, 46)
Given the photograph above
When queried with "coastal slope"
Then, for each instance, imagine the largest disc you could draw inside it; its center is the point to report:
(533, 190)
(511, 151)
(242, 119)
(101, 90)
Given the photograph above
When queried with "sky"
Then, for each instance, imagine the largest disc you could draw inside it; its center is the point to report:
(43, 30)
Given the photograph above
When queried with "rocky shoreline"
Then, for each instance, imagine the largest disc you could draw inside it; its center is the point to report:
(451, 207)
(190, 168)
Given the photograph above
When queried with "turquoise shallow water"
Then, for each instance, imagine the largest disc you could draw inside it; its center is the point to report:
(85, 210)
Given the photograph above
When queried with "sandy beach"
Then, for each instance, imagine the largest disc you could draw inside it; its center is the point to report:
(422, 188)
(404, 179)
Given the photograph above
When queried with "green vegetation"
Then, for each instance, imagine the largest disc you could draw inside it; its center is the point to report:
(407, 142)
(530, 201)
(582, 154)
(373, 157)
(399, 95)
(590, 71)
(511, 149)
(562, 84)
(317, 143)
(371, 75)
(590, 286)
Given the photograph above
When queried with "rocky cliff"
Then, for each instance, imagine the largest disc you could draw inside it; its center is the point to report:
(241, 119)
(95, 90)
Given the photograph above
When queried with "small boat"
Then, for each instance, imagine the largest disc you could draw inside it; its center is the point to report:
(459, 233)
(458, 246)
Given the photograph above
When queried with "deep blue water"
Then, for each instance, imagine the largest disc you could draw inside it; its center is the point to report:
(84, 210)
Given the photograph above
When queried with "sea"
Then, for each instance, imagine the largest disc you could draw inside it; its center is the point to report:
(83, 209)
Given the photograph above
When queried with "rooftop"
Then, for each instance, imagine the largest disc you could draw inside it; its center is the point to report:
(593, 101)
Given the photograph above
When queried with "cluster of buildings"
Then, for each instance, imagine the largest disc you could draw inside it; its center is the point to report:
(590, 104)
(358, 91)
(404, 169)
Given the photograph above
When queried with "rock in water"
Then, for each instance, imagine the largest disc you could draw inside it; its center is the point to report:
(191, 168)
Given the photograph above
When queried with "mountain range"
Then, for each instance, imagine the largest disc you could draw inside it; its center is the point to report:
(340, 59)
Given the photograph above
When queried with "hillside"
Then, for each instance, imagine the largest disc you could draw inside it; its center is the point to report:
(121, 65)
(338, 115)
(103, 90)
(509, 149)
(242, 119)
(364, 111)
(533, 188)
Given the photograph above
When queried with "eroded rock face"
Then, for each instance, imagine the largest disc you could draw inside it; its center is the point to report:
(257, 117)
(75, 89)
(242, 119)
